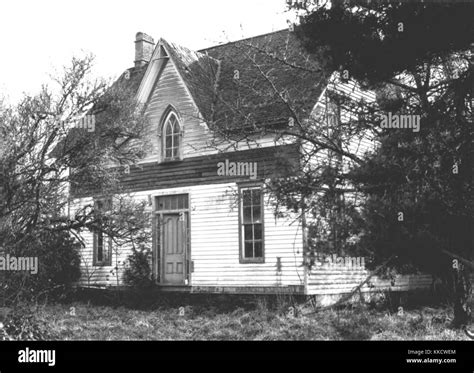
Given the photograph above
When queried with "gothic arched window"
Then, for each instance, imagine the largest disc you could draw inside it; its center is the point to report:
(171, 137)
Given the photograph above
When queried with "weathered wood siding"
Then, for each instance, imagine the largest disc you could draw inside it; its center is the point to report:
(330, 284)
(215, 243)
(203, 169)
(101, 276)
(197, 139)
(326, 280)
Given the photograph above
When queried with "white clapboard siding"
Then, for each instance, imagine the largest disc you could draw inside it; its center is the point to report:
(345, 280)
(215, 243)
(358, 146)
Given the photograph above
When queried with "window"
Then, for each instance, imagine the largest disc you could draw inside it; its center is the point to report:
(172, 203)
(251, 225)
(102, 255)
(171, 138)
(334, 129)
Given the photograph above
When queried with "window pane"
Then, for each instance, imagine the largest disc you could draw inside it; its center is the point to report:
(247, 197)
(175, 141)
(106, 250)
(248, 234)
(169, 128)
(256, 197)
(173, 123)
(181, 202)
(248, 250)
(169, 142)
(258, 249)
(247, 215)
(257, 229)
(100, 247)
(257, 211)
(168, 153)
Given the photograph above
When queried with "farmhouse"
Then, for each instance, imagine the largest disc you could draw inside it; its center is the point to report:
(215, 229)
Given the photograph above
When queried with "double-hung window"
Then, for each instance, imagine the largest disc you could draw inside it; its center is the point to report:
(251, 225)
(102, 255)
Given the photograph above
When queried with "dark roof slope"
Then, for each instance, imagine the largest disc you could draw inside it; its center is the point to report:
(199, 72)
(131, 79)
(262, 80)
(277, 79)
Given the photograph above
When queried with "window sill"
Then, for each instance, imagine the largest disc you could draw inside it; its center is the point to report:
(171, 161)
(252, 261)
(100, 265)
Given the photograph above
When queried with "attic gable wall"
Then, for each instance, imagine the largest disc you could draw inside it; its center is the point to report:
(170, 90)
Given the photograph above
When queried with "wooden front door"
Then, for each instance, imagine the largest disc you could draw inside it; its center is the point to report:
(171, 242)
(174, 248)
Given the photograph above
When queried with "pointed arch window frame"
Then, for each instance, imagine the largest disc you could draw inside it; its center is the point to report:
(178, 155)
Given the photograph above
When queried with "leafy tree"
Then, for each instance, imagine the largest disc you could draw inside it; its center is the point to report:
(56, 145)
(419, 185)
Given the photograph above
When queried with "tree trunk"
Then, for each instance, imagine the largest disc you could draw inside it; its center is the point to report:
(462, 294)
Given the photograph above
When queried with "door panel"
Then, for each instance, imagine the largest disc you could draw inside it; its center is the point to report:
(174, 244)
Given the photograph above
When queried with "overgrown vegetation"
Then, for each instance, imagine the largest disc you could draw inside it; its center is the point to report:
(138, 273)
(257, 319)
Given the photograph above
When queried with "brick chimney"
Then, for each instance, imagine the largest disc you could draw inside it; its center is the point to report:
(144, 46)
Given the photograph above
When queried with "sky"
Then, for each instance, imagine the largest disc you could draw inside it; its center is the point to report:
(39, 37)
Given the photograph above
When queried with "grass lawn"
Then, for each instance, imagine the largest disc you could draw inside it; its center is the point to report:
(95, 322)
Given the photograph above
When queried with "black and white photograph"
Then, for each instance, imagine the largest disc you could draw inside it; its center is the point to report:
(225, 171)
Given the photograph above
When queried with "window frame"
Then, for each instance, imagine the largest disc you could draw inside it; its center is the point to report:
(242, 258)
(106, 241)
(169, 113)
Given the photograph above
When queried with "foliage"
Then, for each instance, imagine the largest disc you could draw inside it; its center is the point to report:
(138, 273)
(22, 324)
(419, 184)
(45, 150)
(57, 259)
(256, 323)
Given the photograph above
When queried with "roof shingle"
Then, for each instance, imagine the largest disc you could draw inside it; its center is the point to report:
(263, 80)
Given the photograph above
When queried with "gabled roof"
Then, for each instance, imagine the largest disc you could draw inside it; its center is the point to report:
(132, 80)
(247, 82)
(198, 72)
(271, 68)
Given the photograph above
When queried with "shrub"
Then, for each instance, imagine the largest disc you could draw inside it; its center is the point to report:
(58, 267)
(138, 273)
